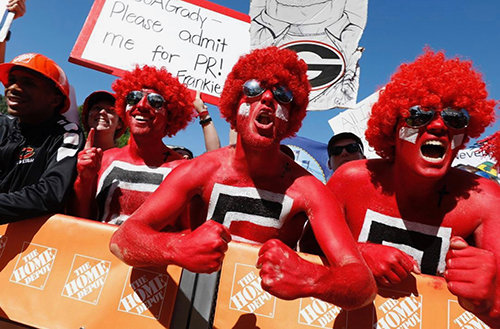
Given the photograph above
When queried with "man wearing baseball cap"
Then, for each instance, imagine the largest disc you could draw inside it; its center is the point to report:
(38, 146)
(342, 148)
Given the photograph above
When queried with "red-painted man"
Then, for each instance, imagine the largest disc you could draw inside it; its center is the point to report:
(254, 193)
(153, 104)
(412, 212)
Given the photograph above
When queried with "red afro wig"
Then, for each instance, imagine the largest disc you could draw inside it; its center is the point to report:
(178, 100)
(430, 81)
(271, 66)
(491, 145)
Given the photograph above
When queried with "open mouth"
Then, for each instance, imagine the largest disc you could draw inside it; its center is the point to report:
(433, 150)
(264, 119)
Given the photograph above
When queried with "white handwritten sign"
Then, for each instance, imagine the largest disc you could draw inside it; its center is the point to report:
(355, 121)
(196, 40)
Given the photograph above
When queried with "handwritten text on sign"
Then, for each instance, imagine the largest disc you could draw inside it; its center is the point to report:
(196, 44)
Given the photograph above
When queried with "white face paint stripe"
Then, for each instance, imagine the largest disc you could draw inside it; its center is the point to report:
(244, 109)
(128, 107)
(457, 141)
(408, 134)
(282, 113)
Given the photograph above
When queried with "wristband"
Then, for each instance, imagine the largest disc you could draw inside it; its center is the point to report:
(205, 121)
(203, 113)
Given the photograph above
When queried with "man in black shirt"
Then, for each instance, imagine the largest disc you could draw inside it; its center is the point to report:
(38, 146)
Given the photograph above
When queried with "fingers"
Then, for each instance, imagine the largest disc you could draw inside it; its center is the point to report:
(17, 6)
(90, 139)
(458, 243)
(198, 94)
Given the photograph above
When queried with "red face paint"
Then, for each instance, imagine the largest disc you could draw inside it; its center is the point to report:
(262, 120)
(429, 150)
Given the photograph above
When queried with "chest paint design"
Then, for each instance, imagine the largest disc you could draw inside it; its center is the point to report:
(252, 215)
(427, 244)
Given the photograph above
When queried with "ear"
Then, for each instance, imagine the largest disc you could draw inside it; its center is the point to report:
(57, 101)
(329, 163)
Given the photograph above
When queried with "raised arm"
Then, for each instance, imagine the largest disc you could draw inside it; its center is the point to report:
(210, 135)
(140, 240)
(82, 201)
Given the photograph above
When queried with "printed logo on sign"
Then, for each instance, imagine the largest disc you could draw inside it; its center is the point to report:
(86, 279)
(325, 64)
(401, 313)
(317, 313)
(247, 294)
(143, 293)
(3, 243)
(33, 265)
(459, 318)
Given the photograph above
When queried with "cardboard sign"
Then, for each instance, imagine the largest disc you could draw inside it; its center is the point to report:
(59, 273)
(196, 40)
(421, 302)
(325, 34)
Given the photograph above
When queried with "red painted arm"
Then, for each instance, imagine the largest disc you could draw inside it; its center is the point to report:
(283, 271)
(140, 242)
(473, 273)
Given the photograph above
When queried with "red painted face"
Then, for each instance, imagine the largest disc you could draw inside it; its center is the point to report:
(430, 149)
(145, 115)
(262, 120)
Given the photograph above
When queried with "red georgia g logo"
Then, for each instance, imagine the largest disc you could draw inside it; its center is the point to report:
(26, 153)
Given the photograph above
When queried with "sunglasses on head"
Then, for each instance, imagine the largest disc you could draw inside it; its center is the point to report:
(453, 118)
(155, 100)
(252, 88)
(350, 148)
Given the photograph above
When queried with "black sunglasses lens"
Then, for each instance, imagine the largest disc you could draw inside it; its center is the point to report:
(419, 117)
(252, 88)
(352, 148)
(156, 100)
(134, 97)
(457, 119)
(336, 150)
(282, 94)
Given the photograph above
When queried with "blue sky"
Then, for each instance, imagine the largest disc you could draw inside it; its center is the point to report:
(396, 32)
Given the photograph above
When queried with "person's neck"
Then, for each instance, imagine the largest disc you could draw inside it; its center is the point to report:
(258, 161)
(410, 186)
(104, 140)
(152, 151)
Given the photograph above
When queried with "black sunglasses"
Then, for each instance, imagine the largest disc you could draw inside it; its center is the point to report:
(350, 148)
(154, 99)
(453, 118)
(252, 88)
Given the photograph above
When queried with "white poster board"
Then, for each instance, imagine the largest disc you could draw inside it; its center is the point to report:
(325, 34)
(355, 121)
(196, 40)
